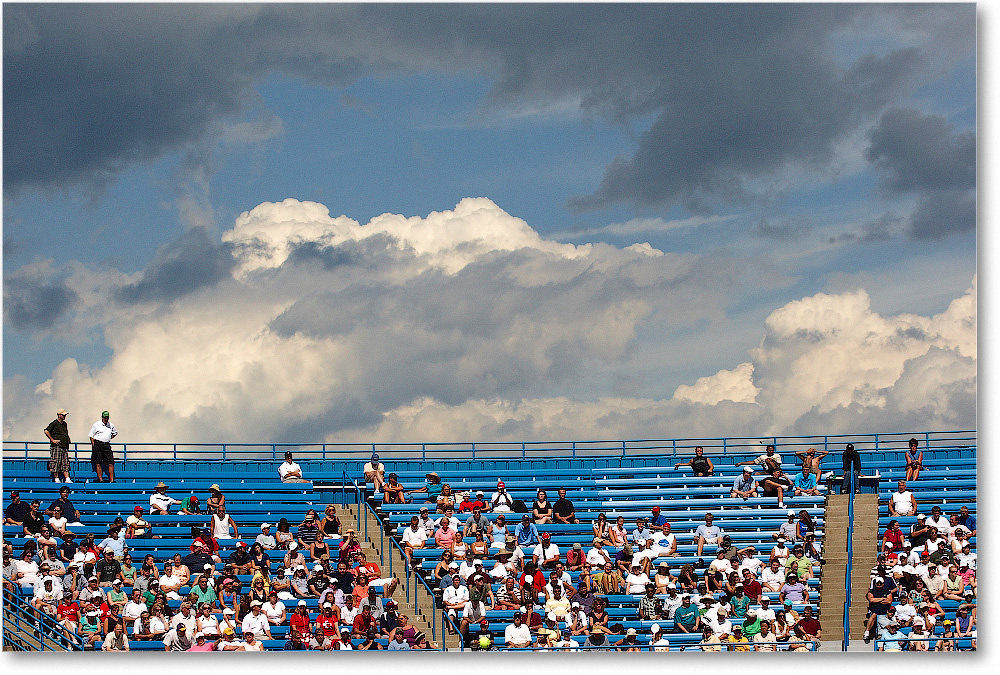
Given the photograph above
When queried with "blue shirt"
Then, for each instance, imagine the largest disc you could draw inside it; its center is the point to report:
(656, 521)
(526, 535)
(894, 639)
(644, 534)
(398, 646)
(806, 482)
(743, 484)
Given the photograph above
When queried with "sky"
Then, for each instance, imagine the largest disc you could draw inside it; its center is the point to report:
(403, 223)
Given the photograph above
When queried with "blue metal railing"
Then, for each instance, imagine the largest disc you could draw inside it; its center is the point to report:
(411, 579)
(850, 559)
(46, 632)
(634, 448)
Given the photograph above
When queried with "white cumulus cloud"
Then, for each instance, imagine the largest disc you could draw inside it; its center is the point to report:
(463, 325)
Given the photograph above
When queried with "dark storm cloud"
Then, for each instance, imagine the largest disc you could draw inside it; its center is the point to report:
(31, 303)
(736, 90)
(191, 262)
(923, 155)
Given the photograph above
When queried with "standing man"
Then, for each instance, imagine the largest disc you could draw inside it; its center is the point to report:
(58, 435)
(101, 454)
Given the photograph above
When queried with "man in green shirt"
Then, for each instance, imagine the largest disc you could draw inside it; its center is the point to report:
(686, 617)
(204, 593)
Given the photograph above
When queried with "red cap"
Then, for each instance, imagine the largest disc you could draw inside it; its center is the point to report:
(138, 509)
(546, 536)
(500, 484)
(656, 509)
(241, 543)
(15, 493)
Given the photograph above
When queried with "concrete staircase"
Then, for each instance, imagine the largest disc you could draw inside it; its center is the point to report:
(419, 614)
(864, 544)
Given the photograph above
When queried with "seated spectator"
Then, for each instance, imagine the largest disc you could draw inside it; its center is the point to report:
(476, 523)
(432, 488)
(222, 524)
(526, 533)
(471, 502)
(265, 540)
(159, 501)
(707, 533)
(289, 471)
(541, 509)
(393, 492)
(374, 473)
(744, 486)
(967, 520)
(563, 511)
(805, 483)
(700, 465)
(902, 502)
(446, 499)
(501, 501)
(284, 537)
(190, 506)
(776, 485)
(914, 460)
(66, 507)
(16, 511)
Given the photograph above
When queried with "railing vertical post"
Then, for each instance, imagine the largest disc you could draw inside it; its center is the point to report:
(423, 452)
(850, 560)
(522, 450)
(876, 441)
(473, 451)
(574, 449)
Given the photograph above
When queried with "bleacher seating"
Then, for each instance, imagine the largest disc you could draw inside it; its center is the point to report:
(615, 486)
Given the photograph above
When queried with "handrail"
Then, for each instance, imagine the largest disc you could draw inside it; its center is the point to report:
(363, 504)
(850, 559)
(48, 632)
(489, 449)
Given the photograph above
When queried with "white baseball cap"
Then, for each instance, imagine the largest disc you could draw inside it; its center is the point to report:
(655, 628)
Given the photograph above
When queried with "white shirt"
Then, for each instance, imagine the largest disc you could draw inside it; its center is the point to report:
(902, 502)
(347, 615)
(765, 458)
(416, 537)
(907, 611)
(724, 566)
(769, 577)
(221, 527)
(466, 569)
(567, 646)
(636, 583)
(258, 624)
(51, 596)
(597, 557)
(455, 523)
(664, 541)
(502, 503)
(287, 467)
(661, 645)
(100, 432)
(58, 524)
(517, 634)
(968, 558)
(942, 524)
(161, 501)
(544, 553)
(452, 595)
(752, 564)
(273, 611)
(132, 610)
(155, 625)
(670, 605)
(766, 614)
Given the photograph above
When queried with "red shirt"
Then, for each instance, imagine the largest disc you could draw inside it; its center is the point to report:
(895, 537)
(537, 583)
(300, 622)
(328, 624)
(372, 569)
(362, 625)
(70, 611)
(752, 589)
(466, 505)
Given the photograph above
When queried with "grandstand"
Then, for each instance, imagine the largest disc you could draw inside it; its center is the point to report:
(618, 479)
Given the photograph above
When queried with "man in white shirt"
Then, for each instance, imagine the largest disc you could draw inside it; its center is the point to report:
(449, 515)
(597, 555)
(185, 616)
(47, 595)
(455, 597)
(717, 619)
(290, 471)
(101, 456)
(558, 604)
(773, 577)
(780, 552)
(256, 621)
(546, 554)
(159, 502)
(657, 640)
(375, 473)
(766, 612)
(966, 557)
(902, 502)
(467, 568)
(427, 523)
(413, 537)
(664, 541)
(567, 643)
(265, 538)
(937, 520)
(170, 583)
(770, 460)
(134, 607)
(905, 611)
(501, 501)
(517, 634)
